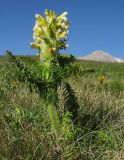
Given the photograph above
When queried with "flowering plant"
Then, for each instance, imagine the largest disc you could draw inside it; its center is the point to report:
(50, 74)
(50, 34)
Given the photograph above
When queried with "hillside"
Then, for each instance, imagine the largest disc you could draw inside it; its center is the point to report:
(25, 127)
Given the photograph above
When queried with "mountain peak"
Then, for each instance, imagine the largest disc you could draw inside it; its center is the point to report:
(101, 56)
(100, 53)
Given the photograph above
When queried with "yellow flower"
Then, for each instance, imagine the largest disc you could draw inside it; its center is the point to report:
(14, 82)
(34, 45)
(63, 34)
(38, 39)
(101, 79)
(52, 49)
(50, 32)
(41, 20)
(50, 15)
(37, 31)
(63, 16)
(65, 26)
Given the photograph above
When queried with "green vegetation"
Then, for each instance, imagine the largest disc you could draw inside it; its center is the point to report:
(56, 108)
(25, 127)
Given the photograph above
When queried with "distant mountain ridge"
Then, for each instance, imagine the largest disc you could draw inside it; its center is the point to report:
(102, 57)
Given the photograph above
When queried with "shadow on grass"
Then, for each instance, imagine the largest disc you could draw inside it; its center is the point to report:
(95, 119)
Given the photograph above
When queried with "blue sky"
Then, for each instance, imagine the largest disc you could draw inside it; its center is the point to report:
(95, 25)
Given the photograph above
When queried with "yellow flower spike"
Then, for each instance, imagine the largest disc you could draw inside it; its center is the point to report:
(50, 33)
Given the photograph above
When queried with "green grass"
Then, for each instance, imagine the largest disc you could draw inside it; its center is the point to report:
(25, 129)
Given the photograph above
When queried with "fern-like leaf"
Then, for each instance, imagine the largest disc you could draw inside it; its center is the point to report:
(70, 100)
(24, 75)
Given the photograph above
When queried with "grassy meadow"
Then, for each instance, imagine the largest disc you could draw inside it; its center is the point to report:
(25, 129)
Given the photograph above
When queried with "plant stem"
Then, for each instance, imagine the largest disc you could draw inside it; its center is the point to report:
(54, 117)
